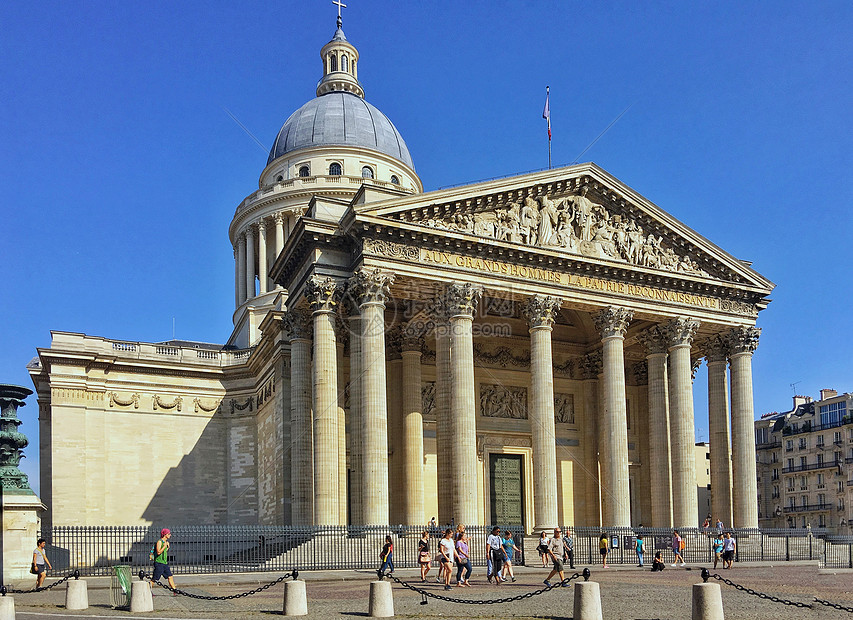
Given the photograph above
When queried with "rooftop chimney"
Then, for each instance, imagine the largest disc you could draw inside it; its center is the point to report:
(801, 400)
(828, 393)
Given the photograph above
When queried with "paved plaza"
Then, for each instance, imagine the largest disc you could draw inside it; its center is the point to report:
(628, 593)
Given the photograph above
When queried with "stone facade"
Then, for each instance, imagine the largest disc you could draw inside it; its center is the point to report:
(518, 350)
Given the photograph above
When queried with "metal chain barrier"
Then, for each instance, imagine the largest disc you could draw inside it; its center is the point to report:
(834, 605)
(4, 590)
(425, 594)
(768, 597)
(294, 574)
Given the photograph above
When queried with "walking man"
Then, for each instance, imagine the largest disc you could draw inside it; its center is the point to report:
(728, 550)
(555, 551)
(569, 544)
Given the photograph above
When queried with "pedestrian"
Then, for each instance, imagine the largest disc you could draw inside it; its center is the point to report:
(387, 555)
(728, 550)
(677, 547)
(424, 555)
(463, 561)
(717, 546)
(602, 549)
(161, 559)
(494, 550)
(639, 548)
(542, 547)
(555, 552)
(706, 525)
(509, 549)
(433, 523)
(657, 563)
(39, 560)
(460, 529)
(448, 550)
(719, 525)
(569, 544)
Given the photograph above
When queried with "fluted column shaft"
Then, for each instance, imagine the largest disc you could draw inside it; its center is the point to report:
(683, 434)
(590, 450)
(655, 341)
(539, 313)
(373, 290)
(613, 322)
(413, 436)
(356, 427)
(445, 469)
(301, 429)
(263, 268)
(718, 431)
(279, 234)
(342, 428)
(250, 262)
(742, 343)
(461, 300)
(241, 269)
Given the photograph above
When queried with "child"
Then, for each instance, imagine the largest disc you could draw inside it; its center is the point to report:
(387, 555)
(657, 563)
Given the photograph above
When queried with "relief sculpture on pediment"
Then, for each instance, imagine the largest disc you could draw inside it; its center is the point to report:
(574, 224)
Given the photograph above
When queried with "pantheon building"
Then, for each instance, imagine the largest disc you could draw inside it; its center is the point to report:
(517, 351)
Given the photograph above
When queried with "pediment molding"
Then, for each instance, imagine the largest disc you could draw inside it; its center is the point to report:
(579, 211)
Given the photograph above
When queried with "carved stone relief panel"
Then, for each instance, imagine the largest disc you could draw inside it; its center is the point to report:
(428, 398)
(500, 401)
(564, 408)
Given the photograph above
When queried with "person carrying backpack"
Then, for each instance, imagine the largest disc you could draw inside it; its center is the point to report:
(161, 559)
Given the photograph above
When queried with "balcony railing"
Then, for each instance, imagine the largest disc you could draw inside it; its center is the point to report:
(807, 508)
(769, 445)
(809, 467)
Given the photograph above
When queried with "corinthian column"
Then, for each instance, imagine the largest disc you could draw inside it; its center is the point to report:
(278, 218)
(355, 417)
(716, 350)
(742, 343)
(590, 367)
(413, 430)
(263, 268)
(540, 321)
(373, 289)
(680, 332)
(341, 333)
(250, 262)
(298, 324)
(445, 455)
(241, 268)
(613, 322)
(656, 343)
(461, 301)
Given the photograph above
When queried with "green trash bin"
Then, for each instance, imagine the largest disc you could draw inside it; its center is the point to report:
(120, 586)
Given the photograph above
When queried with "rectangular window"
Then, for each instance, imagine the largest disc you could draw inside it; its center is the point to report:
(838, 458)
(819, 460)
(836, 438)
(832, 413)
(789, 445)
(790, 464)
(791, 483)
(820, 440)
(821, 498)
(802, 445)
(821, 520)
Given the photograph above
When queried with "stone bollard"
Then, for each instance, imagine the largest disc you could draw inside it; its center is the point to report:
(77, 595)
(707, 601)
(381, 600)
(7, 608)
(587, 601)
(295, 599)
(140, 597)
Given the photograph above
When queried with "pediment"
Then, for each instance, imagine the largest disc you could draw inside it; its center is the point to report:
(581, 211)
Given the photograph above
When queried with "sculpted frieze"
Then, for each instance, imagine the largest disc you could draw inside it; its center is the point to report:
(574, 224)
(500, 401)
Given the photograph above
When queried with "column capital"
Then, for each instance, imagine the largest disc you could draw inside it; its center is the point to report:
(322, 293)
(681, 330)
(461, 299)
(696, 364)
(241, 240)
(743, 340)
(613, 321)
(411, 339)
(278, 217)
(252, 228)
(371, 286)
(641, 372)
(262, 226)
(590, 365)
(654, 339)
(539, 311)
(716, 348)
(297, 323)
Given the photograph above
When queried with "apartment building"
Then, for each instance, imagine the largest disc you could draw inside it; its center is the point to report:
(805, 464)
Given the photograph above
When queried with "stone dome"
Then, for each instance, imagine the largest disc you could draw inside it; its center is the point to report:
(340, 119)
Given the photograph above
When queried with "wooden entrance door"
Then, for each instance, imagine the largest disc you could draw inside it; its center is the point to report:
(507, 490)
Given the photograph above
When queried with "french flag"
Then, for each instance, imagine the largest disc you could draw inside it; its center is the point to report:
(546, 113)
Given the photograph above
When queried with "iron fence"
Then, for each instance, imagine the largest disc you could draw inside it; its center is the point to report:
(94, 550)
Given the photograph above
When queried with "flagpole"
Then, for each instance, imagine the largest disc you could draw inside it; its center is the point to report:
(546, 114)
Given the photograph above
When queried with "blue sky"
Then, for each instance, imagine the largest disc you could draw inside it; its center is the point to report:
(120, 168)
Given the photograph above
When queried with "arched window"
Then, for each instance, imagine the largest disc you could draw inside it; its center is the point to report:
(394, 179)
(279, 179)
(367, 172)
(304, 171)
(333, 63)
(344, 63)
(335, 169)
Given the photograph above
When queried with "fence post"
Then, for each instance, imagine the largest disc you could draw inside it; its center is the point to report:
(849, 555)
(788, 547)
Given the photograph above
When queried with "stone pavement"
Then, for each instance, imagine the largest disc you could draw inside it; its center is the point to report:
(628, 593)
